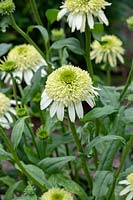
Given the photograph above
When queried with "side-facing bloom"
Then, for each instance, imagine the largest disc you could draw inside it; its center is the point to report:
(129, 188)
(108, 50)
(7, 7)
(130, 22)
(6, 111)
(56, 194)
(68, 86)
(79, 11)
(27, 60)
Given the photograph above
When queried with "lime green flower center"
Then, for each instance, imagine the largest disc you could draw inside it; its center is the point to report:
(7, 7)
(130, 178)
(4, 104)
(57, 197)
(7, 66)
(108, 42)
(67, 76)
(87, 6)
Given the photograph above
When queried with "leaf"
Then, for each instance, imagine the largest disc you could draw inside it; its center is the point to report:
(4, 155)
(71, 186)
(129, 116)
(51, 15)
(103, 179)
(10, 191)
(4, 48)
(51, 165)
(17, 131)
(101, 139)
(98, 31)
(99, 112)
(7, 180)
(42, 30)
(72, 44)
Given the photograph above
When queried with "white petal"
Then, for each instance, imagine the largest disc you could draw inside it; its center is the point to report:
(120, 58)
(45, 103)
(28, 76)
(124, 182)
(90, 101)
(103, 17)
(18, 75)
(79, 109)
(130, 196)
(82, 29)
(71, 112)
(12, 110)
(9, 117)
(60, 111)
(53, 108)
(79, 21)
(90, 21)
(61, 13)
(125, 191)
(4, 123)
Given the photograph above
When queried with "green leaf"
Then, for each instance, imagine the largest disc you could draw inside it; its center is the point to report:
(129, 116)
(72, 44)
(99, 112)
(42, 30)
(17, 131)
(4, 48)
(71, 186)
(98, 31)
(51, 165)
(9, 193)
(51, 15)
(7, 180)
(103, 179)
(101, 139)
(4, 155)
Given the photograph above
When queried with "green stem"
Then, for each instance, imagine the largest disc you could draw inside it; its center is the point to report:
(88, 46)
(80, 149)
(14, 89)
(124, 156)
(36, 13)
(17, 160)
(24, 35)
(129, 79)
(108, 76)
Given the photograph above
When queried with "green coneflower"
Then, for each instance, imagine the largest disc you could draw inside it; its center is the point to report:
(6, 7)
(108, 50)
(56, 194)
(80, 11)
(67, 87)
(27, 60)
(7, 65)
(6, 110)
(129, 188)
(130, 22)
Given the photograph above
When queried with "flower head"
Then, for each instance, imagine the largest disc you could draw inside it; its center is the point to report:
(5, 111)
(130, 22)
(27, 60)
(81, 10)
(57, 34)
(7, 7)
(108, 50)
(67, 87)
(7, 65)
(129, 188)
(56, 194)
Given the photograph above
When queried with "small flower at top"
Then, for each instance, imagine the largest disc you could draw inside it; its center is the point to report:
(7, 7)
(80, 11)
(129, 188)
(130, 22)
(56, 193)
(67, 87)
(6, 111)
(108, 50)
(27, 60)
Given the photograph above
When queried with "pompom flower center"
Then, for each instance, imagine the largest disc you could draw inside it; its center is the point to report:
(57, 197)
(4, 104)
(85, 6)
(108, 42)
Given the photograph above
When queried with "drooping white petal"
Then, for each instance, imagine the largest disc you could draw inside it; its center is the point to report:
(82, 29)
(60, 111)
(71, 112)
(61, 13)
(120, 58)
(28, 74)
(4, 123)
(125, 191)
(7, 78)
(130, 196)
(18, 75)
(12, 110)
(124, 182)
(103, 17)
(45, 103)
(9, 117)
(79, 109)
(90, 21)
(90, 101)
(53, 108)
(79, 21)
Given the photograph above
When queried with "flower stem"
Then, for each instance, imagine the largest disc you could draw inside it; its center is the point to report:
(80, 149)
(108, 75)
(125, 153)
(17, 160)
(88, 45)
(129, 79)
(14, 88)
(24, 35)
(36, 13)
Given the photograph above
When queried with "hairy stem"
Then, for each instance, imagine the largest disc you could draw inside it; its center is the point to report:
(35, 12)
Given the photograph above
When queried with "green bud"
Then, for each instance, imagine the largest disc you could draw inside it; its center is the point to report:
(21, 112)
(7, 65)
(7, 7)
(130, 22)
(57, 34)
(42, 132)
(29, 190)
